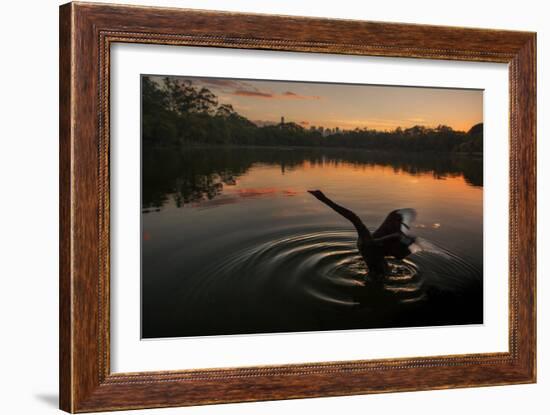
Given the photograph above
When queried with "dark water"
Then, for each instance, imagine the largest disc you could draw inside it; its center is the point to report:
(233, 243)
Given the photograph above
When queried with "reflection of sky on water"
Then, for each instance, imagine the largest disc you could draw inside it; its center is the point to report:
(254, 206)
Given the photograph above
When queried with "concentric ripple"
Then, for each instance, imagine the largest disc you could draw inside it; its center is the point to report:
(325, 269)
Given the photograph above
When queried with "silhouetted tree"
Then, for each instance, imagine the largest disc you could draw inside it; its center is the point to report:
(176, 111)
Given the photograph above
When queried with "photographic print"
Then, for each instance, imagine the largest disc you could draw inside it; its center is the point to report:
(284, 206)
(309, 192)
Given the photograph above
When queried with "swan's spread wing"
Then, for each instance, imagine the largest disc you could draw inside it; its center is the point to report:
(397, 245)
(398, 221)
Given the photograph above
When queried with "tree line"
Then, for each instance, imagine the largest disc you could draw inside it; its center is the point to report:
(175, 111)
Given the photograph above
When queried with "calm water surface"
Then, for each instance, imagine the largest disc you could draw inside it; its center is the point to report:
(233, 243)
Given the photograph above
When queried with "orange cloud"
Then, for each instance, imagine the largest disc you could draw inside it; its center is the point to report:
(247, 93)
(269, 95)
(293, 95)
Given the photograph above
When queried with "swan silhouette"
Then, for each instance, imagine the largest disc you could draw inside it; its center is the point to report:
(391, 239)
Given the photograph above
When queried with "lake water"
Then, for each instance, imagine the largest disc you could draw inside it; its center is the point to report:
(234, 244)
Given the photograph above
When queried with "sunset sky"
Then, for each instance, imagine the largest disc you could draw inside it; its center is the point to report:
(347, 106)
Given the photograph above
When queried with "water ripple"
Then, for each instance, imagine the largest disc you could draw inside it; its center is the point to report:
(325, 269)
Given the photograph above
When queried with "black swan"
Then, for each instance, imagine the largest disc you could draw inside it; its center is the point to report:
(391, 239)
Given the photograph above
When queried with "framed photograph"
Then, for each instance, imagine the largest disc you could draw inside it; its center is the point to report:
(258, 207)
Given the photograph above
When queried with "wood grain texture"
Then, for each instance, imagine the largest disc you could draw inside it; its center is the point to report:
(86, 33)
(65, 247)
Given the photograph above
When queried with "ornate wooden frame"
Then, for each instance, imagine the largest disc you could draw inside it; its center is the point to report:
(86, 33)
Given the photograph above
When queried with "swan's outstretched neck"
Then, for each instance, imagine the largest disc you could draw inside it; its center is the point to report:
(346, 213)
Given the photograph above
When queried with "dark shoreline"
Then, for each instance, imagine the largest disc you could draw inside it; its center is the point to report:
(195, 145)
